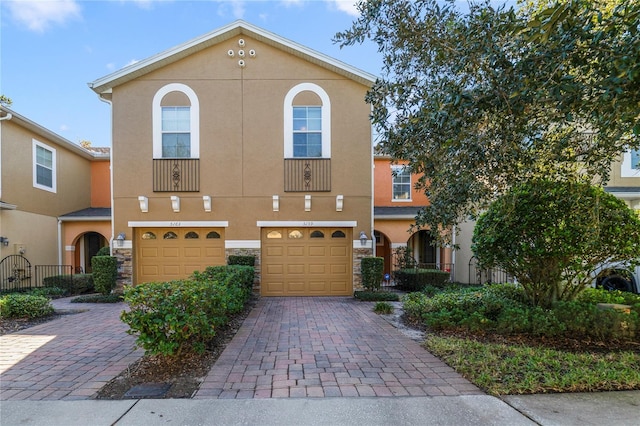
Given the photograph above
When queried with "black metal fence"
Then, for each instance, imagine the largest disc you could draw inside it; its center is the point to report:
(17, 274)
(481, 276)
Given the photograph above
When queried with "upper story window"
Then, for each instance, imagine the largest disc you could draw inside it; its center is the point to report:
(635, 159)
(44, 167)
(630, 164)
(176, 122)
(307, 122)
(401, 183)
(307, 131)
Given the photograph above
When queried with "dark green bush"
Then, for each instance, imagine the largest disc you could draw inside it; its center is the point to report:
(105, 273)
(375, 296)
(245, 260)
(49, 292)
(372, 269)
(16, 305)
(182, 316)
(104, 251)
(383, 308)
(73, 284)
(415, 279)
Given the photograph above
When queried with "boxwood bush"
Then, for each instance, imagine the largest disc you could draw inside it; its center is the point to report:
(246, 260)
(414, 279)
(17, 305)
(105, 273)
(372, 269)
(73, 284)
(170, 318)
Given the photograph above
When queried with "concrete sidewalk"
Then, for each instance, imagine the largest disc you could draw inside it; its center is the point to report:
(610, 408)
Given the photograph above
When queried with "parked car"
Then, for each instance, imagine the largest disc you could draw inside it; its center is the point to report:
(619, 276)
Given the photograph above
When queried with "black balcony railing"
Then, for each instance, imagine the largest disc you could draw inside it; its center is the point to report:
(176, 175)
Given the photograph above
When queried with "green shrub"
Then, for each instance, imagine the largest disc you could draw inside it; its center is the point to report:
(105, 273)
(415, 279)
(372, 296)
(98, 298)
(49, 292)
(173, 317)
(383, 308)
(372, 269)
(104, 251)
(246, 260)
(16, 305)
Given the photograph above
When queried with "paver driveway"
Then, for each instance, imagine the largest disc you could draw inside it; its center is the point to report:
(68, 358)
(326, 347)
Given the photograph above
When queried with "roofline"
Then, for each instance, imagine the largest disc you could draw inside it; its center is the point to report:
(84, 218)
(48, 134)
(105, 84)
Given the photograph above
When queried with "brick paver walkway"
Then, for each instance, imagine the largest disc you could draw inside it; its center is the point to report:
(326, 347)
(71, 357)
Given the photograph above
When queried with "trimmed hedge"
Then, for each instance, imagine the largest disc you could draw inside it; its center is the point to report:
(414, 279)
(73, 284)
(372, 269)
(376, 296)
(17, 305)
(105, 273)
(170, 318)
(246, 260)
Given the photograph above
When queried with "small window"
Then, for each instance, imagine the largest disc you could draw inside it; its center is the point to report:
(317, 234)
(274, 234)
(176, 132)
(307, 132)
(338, 234)
(295, 234)
(635, 159)
(191, 235)
(213, 235)
(401, 184)
(148, 236)
(170, 236)
(44, 167)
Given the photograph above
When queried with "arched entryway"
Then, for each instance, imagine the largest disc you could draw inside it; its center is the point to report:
(86, 246)
(423, 249)
(383, 249)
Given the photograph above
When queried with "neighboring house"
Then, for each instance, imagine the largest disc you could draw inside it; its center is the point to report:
(396, 205)
(43, 177)
(242, 142)
(624, 183)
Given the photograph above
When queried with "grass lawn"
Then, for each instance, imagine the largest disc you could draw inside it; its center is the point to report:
(512, 369)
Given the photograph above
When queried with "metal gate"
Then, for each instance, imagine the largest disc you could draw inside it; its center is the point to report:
(15, 273)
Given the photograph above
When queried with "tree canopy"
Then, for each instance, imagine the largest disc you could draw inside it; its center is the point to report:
(479, 101)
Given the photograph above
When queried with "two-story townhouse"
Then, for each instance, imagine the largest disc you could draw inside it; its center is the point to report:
(43, 177)
(396, 205)
(242, 142)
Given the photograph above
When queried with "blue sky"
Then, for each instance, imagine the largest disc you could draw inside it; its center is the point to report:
(51, 49)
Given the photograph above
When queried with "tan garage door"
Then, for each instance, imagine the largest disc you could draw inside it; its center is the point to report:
(164, 254)
(306, 262)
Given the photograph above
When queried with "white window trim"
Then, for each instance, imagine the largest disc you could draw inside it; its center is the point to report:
(54, 162)
(325, 114)
(194, 118)
(408, 200)
(625, 168)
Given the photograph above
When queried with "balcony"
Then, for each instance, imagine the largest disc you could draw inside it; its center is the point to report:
(307, 175)
(176, 175)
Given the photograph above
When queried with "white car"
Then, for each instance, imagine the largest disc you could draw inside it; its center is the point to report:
(619, 276)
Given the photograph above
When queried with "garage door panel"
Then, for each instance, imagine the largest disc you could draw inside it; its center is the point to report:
(151, 269)
(193, 252)
(170, 252)
(306, 264)
(149, 252)
(214, 252)
(171, 270)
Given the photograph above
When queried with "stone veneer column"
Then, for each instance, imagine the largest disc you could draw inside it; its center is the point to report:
(125, 268)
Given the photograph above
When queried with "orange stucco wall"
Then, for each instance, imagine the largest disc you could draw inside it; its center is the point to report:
(383, 180)
(100, 184)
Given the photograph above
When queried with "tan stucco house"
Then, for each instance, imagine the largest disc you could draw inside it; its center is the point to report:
(242, 142)
(49, 213)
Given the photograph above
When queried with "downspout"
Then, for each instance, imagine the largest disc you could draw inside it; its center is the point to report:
(453, 252)
(59, 242)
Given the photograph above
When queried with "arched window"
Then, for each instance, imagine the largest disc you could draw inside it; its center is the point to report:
(191, 235)
(176, 122)
(307, 123)
(148, 236)
(213, 235)
(170, 236)
(274, 234)
(338, 234)
(317, 234)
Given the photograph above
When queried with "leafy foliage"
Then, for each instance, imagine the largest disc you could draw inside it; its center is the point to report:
(72, 284)
(552, 236)
(105, 273)
(376, 296)
(477, 102)
(16, 305)
(104, 251)
(415, 279)
(372, 269)
(170, 318)
(246, 260)
(383, 308)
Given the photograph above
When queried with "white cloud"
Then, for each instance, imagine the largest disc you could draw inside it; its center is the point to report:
(64, 127)
(237, 8)
(39, 15)
(347, 6)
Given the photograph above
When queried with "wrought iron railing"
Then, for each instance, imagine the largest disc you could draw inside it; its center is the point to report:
(307, 175)
(176, 175)
(45, 271)
(478, 275)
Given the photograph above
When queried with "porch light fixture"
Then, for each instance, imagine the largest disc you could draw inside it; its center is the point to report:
(4, 241)
(363, 238)
(307, 203)
(120, 239)
(207, 203)
(276, 203)
(175, 203)
(144, 203)
(339, 202)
